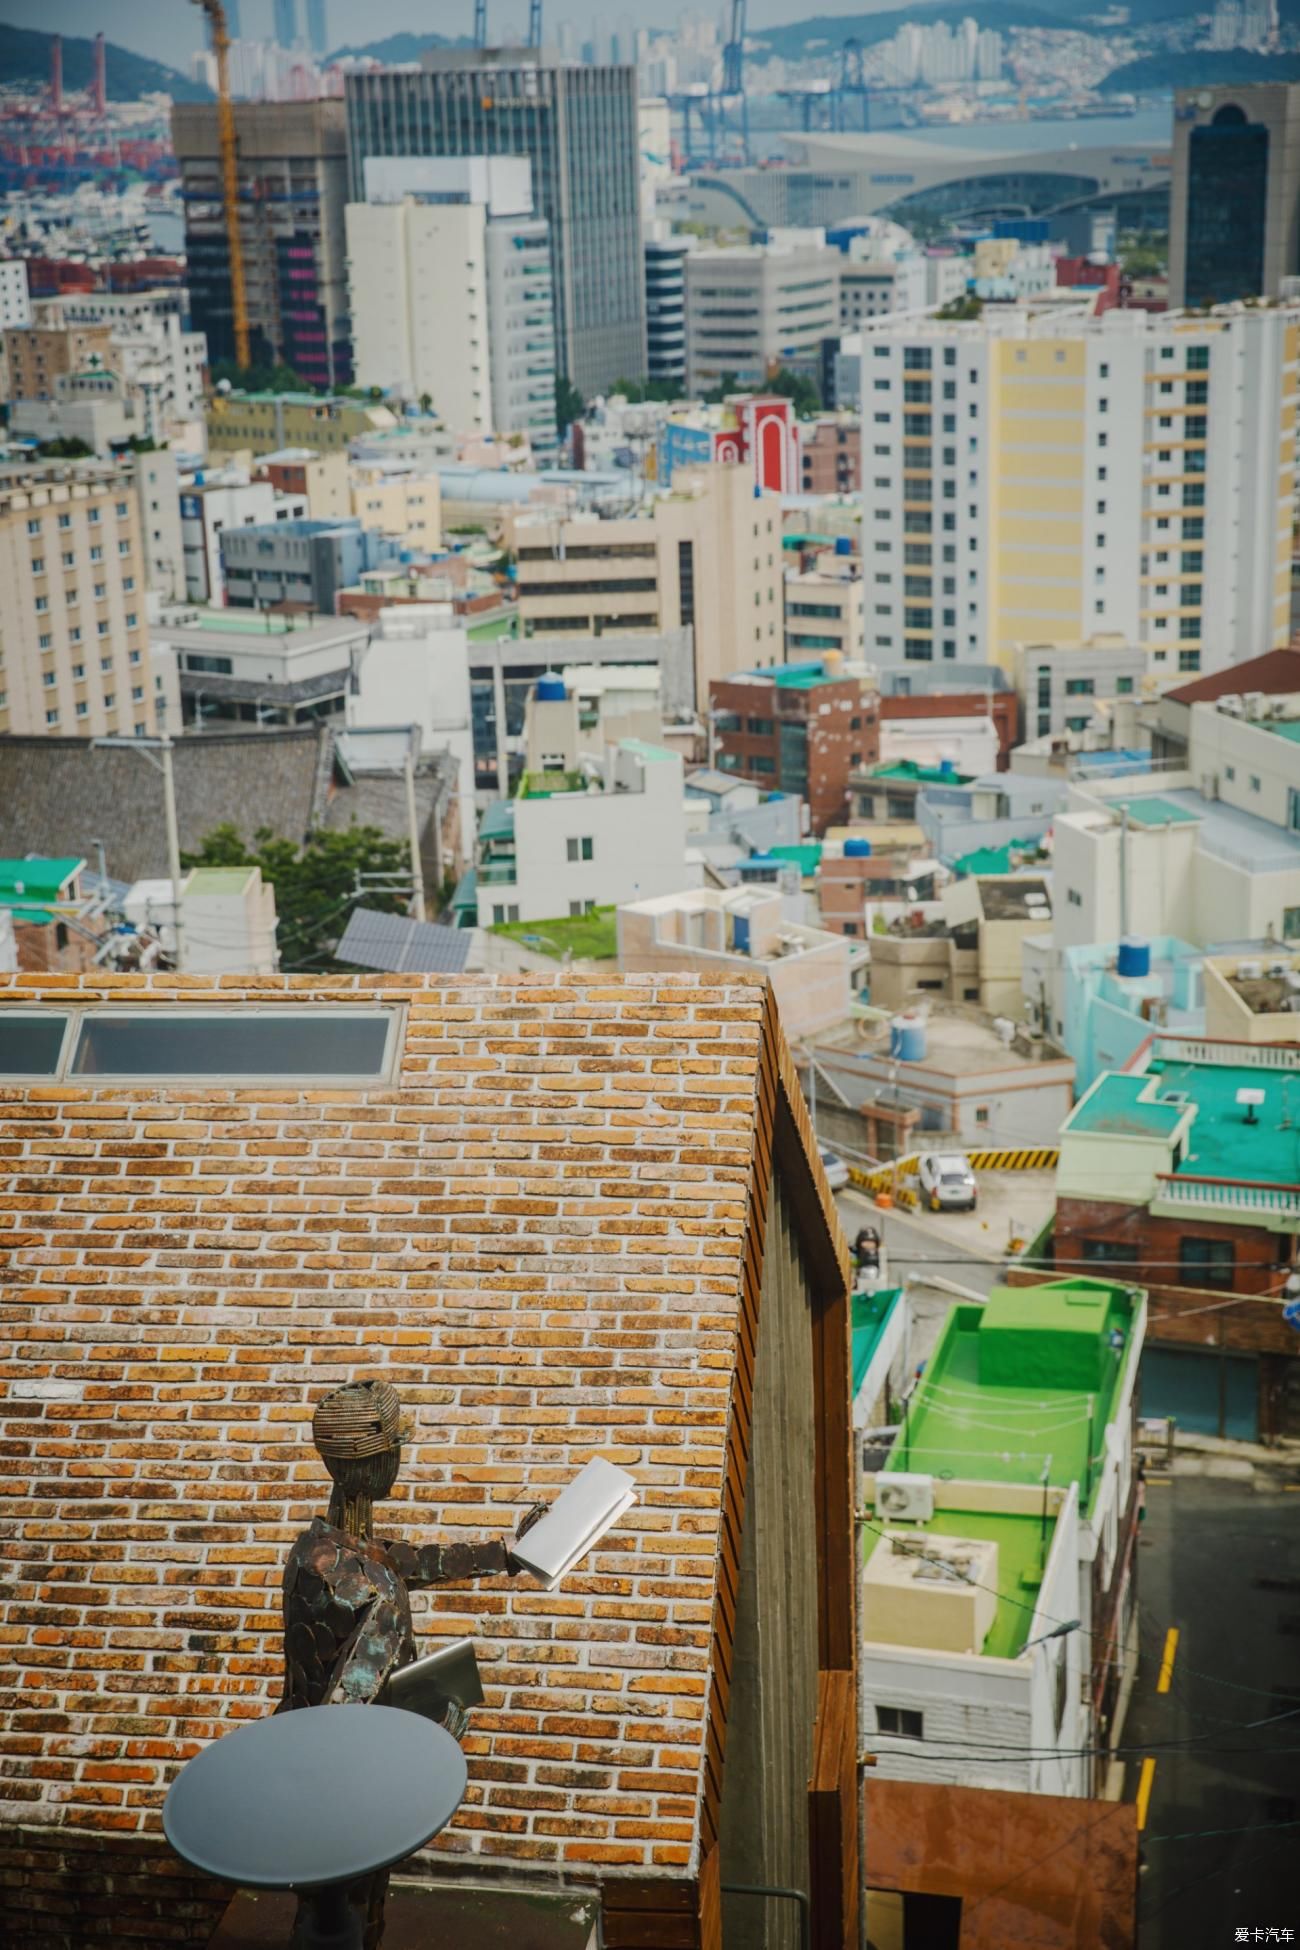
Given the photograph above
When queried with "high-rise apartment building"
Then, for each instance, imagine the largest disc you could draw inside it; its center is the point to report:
(665, 301)
(37, 356)
(317, 27)
(480, 345)
(706, 557)
(74, 636)
(577, 126)
(284, 18)
(1234, 203)
(292, 192)
(1052, 478)
(757, 308)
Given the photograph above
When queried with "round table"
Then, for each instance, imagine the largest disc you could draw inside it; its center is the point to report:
(315, 1799)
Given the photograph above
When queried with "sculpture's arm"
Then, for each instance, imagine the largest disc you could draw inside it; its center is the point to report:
(420, 1565)
(369, 1659)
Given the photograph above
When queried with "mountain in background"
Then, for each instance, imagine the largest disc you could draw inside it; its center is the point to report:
(824, 34)
(1201, 67)
(25, 56)
(398, 47)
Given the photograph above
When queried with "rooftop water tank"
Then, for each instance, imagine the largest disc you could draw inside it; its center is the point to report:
(550, 689)
(1134, 956)
(907, 1038)
(857, 849)
(948, 767)
(844, 544)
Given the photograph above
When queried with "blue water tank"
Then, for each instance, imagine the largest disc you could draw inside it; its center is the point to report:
(550, 689)
(907, 1039)
(948, 768)
(1134, 956)
(844, 544)
(857, 849)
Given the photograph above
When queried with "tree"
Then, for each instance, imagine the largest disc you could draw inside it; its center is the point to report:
(967, 306)
(799, 389)
(729, 383)
(273, 378)
(64, 449)
(316, 884)
(662, 391)
(569, 403)
(426, 402)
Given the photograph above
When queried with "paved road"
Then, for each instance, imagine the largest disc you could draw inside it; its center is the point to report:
(1220, 1560)
(924, 1245)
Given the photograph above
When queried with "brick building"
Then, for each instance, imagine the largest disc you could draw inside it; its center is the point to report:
(830, 456)
(899, 710)
(562, 1218)
(1181, 1170)
(799, 728)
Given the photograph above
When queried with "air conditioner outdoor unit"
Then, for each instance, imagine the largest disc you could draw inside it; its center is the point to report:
(909, 1497)
(1256, 703)
(1249, 971)
(1279, 969)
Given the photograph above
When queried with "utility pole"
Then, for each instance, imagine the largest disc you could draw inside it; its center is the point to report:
(413, 827)
(158, 753)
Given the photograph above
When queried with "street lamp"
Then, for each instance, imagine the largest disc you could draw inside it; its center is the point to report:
(1057, 1632)
(158, 753)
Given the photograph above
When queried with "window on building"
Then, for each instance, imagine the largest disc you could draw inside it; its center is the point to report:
(579, 848)
(1074, 897)
(903, 1722)
(760, 727)
(1123, 686)
(1106, 1252)
(1207, 1262)
(981, 1110)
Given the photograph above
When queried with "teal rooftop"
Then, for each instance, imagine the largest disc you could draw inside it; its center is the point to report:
(908, 769)
(1225, 1139)
(1153, 810)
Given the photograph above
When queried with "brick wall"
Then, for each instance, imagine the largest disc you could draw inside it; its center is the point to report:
(1261, 1258)
(537, 1234)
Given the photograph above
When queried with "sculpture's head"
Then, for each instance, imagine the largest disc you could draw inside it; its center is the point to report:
(358, 1434)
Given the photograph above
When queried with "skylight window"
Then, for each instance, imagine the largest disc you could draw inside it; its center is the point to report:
(31, 1042)
(241, 1045)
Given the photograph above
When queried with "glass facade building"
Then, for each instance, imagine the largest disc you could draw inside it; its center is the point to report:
(1227, 209)
(578, 128)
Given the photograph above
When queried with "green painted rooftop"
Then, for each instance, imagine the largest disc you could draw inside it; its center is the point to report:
(493, 627)
(1221, 1143)
(794, 677)
(36, 880)
(1024, 1383)
(907, 768)
(1152, 810)
(870, 1312)
(1288, 728)
(217, 880)
(1023, 1545)
(807, 857)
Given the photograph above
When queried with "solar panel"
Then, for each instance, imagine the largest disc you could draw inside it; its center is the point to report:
(400, 946)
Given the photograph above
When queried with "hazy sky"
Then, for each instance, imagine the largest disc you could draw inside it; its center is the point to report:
(171, 30)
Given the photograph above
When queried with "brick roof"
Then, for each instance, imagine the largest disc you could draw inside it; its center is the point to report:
(1277, 673)
(539, 1233)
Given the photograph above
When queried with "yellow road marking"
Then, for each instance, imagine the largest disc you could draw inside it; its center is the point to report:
(1167, 1663)
(1144, 1790)
(1163, 1480)
(1294, 1488)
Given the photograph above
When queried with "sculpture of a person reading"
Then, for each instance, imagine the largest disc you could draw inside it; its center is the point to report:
(347, 1607)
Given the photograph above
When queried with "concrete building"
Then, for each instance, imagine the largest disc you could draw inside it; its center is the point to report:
(571, 841)
(708, 932)
(94, 406)
(1049, 478)
(214, 502)
(665, 306)
(258, 671)
(1234, 206)
(577, 127)
(398, 503)
(1062, 684)
(705, 557)
(1210, 853)
(952, 1660)
(265, 423)
(801, 728)
(414, 670)
(74, 631)
(970, 953)
(15, 304)
(757, 309)
(884, 793)
(854, 876)
(999, 810)
(963, 1081)
(481, 345)
(1182, 1163)
(913, 696)
(1109, 1002)
(299, 564)
(1252, 998)
(157, 486)
(228, 921)
(1168, 721)
(323, 481)
(161, 363)
(292, 189)
(38, 356)
(823, 607)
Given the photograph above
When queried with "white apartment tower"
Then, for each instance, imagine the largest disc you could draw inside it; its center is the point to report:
(1052, 478)
(451, 291)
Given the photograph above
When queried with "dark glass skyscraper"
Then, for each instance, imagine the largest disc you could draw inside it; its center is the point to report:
(578, 128)
(1234, 201)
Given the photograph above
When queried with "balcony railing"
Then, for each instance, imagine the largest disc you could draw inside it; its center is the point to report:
(1247, 1196)
(1239, 1056)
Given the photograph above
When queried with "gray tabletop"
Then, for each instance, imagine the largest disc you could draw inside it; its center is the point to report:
(323, 1795)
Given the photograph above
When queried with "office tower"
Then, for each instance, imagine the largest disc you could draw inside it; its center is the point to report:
(317, 27)
(285, 22)
(73, 625)
(665, 300)
(481, 344)
(1015, 486)
(757, 307)
(1234, 205)
(292, 191)
(578, 128)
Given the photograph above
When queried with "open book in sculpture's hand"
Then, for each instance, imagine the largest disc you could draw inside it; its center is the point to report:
(549, 1542)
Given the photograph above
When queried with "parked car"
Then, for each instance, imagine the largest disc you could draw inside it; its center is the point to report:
(947, 1182)
(837, 1172)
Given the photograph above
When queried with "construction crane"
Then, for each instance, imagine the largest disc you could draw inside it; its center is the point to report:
(216, 14)
(732, 87)
(480, 23)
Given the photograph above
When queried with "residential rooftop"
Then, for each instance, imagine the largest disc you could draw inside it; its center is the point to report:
(1023, 1542)
(1227, 833)
(307, 632)
(794, 677)
(1225, 1139)
(907, 769)
(871, 1312)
